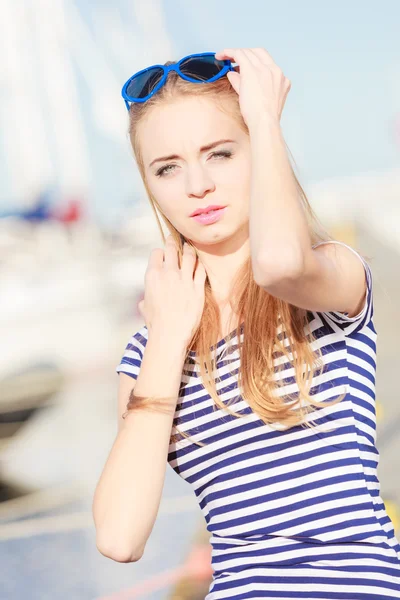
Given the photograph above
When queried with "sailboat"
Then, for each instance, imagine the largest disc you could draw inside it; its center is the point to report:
(69, 287)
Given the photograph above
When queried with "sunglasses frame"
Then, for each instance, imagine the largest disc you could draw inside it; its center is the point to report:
(175, 67)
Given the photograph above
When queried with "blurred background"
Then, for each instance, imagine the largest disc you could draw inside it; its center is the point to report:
(76, 232)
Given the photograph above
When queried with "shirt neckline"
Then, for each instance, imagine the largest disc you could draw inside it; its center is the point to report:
(219, 345)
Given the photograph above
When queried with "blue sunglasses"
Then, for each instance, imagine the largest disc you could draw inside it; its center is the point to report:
(197, 68)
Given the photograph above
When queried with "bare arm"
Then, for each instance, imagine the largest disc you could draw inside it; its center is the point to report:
(128, 494)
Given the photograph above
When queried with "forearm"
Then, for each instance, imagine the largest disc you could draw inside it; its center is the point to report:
(128, 494)
(279, 236)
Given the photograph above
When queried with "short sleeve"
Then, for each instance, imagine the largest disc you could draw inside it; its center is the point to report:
(352, 325)
(133, 355)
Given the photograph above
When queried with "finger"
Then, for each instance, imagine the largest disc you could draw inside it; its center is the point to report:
(253, 58)
(171, 254)
(234, 80)
(156, 259)
(234, 54)
(188, 260)
(263, 56)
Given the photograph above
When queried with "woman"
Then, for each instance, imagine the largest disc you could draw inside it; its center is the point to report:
(254, 375)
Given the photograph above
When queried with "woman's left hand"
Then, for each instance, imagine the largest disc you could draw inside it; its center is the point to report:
(260, 83)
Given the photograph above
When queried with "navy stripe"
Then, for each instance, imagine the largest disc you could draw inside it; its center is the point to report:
(289, 502)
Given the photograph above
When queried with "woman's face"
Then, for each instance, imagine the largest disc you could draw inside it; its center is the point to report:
(194, 177)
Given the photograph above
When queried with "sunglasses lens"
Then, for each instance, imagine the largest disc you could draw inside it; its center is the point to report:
(202, 68)
(142, 85)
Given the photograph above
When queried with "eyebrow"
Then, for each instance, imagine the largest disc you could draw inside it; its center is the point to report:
(202, 149)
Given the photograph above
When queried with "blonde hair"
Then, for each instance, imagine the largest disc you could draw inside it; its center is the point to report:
(258, 379)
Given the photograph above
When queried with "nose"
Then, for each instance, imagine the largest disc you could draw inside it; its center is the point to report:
(198, 182)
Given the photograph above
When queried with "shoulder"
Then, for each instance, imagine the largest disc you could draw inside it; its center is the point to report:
(354, 279)
(133, 353)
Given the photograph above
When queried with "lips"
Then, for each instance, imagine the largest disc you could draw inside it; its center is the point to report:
(200, 211)
(207, 218)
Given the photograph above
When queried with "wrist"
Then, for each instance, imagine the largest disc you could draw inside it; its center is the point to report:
(169, 343)
(265, 120)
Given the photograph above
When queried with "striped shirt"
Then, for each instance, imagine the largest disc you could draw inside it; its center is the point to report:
(295, 513)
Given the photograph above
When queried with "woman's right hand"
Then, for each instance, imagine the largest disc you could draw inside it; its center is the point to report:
(173, 301)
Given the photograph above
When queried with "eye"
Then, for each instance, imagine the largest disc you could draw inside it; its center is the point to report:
(225, 153)
(164, 170)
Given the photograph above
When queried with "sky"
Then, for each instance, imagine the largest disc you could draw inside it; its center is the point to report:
(342, 57)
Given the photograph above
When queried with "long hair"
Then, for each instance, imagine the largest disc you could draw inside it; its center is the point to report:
(265, 317)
